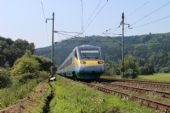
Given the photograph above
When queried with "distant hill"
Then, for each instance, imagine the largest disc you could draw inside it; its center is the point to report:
(151, 49)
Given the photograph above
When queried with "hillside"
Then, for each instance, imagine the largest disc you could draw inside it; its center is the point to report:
(153, 49)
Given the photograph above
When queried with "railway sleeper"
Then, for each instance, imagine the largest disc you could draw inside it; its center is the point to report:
(149, 103)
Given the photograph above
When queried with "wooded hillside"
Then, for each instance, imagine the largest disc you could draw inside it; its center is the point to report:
(150, 49)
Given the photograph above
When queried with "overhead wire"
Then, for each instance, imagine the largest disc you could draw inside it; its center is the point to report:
(154, 21)
(152, 12)
(43, 12)
(94, 11)
(138, 8)
(69, 32)
(42, 6)
(130, 14)
(97, 13)
(65, 34)
(82, 17)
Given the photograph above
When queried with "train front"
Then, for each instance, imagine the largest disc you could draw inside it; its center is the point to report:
(91, 63)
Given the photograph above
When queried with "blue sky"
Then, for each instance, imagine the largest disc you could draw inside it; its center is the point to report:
(24, 18)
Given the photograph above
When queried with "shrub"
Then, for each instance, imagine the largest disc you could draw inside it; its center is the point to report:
(4, 78)
(130, 67)
(147, 69)
(25, 65)
(45, 63)
(165, 70)
(42, 75)
(26, 77)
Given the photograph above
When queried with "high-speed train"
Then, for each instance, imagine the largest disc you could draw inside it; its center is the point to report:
(84, 62)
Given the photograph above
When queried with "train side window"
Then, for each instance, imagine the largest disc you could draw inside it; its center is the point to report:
(75, 53)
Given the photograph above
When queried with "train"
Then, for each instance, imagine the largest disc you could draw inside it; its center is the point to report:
(84, 62)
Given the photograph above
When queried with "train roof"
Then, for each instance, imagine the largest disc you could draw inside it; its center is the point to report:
(88, 46)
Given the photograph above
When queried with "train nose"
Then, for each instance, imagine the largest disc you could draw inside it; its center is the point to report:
(92, 69)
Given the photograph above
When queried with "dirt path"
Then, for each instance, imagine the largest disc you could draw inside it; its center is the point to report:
(29, 103)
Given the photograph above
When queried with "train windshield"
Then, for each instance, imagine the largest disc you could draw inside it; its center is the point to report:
(90, 54)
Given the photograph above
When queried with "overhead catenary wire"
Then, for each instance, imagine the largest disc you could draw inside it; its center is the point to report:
(65, 34)
(152, 12)
(138, 8)
(69, 32)
(153, 21)
(97, 13)
(82, 17)
(44, 16)
(94, 11)
(84, 28)
(43, 11)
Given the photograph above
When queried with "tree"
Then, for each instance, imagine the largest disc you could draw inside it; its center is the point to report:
(147, 69)
(24, 65)
(11, 50)
(131, 67)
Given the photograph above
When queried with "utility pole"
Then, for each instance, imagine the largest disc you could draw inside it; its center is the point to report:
(52, 45)
(123, 24)
(123, 42)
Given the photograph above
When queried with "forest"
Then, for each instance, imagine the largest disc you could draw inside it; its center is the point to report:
(11, 50)
(150, 51)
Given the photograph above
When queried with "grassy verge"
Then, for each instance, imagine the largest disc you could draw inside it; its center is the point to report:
(17, 91)
(74, 97)
(161, 77)
(41, 101)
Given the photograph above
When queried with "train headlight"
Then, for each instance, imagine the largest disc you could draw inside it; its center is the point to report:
(100, 62)
(83, 62)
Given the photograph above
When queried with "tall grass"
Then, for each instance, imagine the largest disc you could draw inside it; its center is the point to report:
(74, 97)
(161, 77)
(18, 90)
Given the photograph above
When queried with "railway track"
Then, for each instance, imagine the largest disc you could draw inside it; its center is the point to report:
(143, 101)
(157, 86)
(164, 94)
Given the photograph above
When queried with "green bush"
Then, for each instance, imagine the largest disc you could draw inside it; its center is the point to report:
(147, 69)
(4, 78)
(42, 75)
(165, 70)
(25, 65)
(26, 76)
(45, 63)
(131, 67)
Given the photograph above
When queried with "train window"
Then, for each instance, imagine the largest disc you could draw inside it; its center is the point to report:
(90, 54)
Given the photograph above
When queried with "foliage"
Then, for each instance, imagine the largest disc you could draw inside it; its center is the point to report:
(25, 65)
(4, 78)
(152, 49)
(26, 77)
(11, 50)
(20, 89)
(131, 67)
(147, 69)
(165, 69)
(74, 97)
(45, 63)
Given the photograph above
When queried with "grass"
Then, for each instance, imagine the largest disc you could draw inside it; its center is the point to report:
(41, 100)
(161, 77)
(74, 97)
(17, 91)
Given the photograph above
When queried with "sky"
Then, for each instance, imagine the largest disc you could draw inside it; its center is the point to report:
(25, 19)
